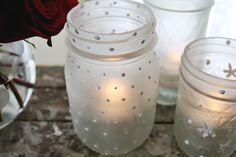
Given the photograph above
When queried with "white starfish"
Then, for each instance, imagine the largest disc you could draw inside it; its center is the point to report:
(207, 131)
(230, 72)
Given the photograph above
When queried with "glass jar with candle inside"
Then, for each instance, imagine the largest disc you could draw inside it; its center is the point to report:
(112, 74)
(179, 22)
(206, 107)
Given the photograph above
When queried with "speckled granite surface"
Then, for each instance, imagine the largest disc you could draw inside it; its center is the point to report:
(44, 129)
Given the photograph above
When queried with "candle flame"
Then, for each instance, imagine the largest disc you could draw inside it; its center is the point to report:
(117, 98)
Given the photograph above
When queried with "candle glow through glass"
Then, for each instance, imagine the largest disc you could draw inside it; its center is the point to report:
(179, 23)
(112, 74)
(206, 107)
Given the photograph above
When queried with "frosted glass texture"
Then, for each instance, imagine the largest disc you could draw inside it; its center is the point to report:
(112, 74)
(206, 107)
(178, 23)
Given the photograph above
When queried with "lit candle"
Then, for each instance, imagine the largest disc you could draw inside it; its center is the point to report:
(179, 22)
(206, 106)
(116, 93)
(112, 74)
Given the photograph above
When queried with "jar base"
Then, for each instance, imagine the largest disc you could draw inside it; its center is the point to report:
(167, 96)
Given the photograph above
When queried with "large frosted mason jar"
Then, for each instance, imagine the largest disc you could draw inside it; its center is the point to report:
(111, 74)
(206, 107)
(178, 23)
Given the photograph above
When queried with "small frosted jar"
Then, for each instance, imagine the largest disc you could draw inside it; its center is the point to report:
(112, 74)
(206, 107)
(178, 23)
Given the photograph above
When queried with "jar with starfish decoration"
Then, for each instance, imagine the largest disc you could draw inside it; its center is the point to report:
(206, 107)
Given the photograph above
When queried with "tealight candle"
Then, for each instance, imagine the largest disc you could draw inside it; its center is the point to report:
(206, 107)
(112, 74)
(179, 22)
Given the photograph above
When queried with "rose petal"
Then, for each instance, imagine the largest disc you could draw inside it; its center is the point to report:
(21, 19)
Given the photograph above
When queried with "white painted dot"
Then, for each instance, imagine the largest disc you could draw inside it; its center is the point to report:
(115, 122)
(140, 114)
(104, 134)
(186, 142)
(201, 156)
(126, 132)
(115, 148)
(95, 146)
(86, 129)
(94, 120)
(84, 140)
(190, 121)
(213, 135)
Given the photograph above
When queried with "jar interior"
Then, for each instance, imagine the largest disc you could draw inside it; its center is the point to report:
(111, 30)
(108, 18)
(112, 23)
(217, 60)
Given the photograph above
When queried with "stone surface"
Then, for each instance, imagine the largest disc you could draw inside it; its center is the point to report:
(50, 77)
(57, 139)
(44, 129)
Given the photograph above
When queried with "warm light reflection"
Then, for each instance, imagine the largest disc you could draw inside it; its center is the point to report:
(215, 107)
(116, 96)
(175, 58)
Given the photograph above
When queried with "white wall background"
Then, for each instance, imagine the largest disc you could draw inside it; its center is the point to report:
(222, 23)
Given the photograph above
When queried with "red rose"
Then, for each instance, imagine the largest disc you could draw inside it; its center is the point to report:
(20, 19)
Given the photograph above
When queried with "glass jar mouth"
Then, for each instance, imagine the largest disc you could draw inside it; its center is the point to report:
(84, 8)
(110, 28)
(181, 5)
(206, 45)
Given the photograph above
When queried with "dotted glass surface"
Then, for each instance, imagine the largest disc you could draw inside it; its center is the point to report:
(112, 74)
(206, 107)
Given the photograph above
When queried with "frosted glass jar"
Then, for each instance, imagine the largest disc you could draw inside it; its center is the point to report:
(206, 107)
(112, 74)
(178, 23)
(16, 61)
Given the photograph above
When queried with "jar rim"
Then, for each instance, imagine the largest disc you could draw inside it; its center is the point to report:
(111, 28)
(139, 5)
(181, 5)
(195, 71)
